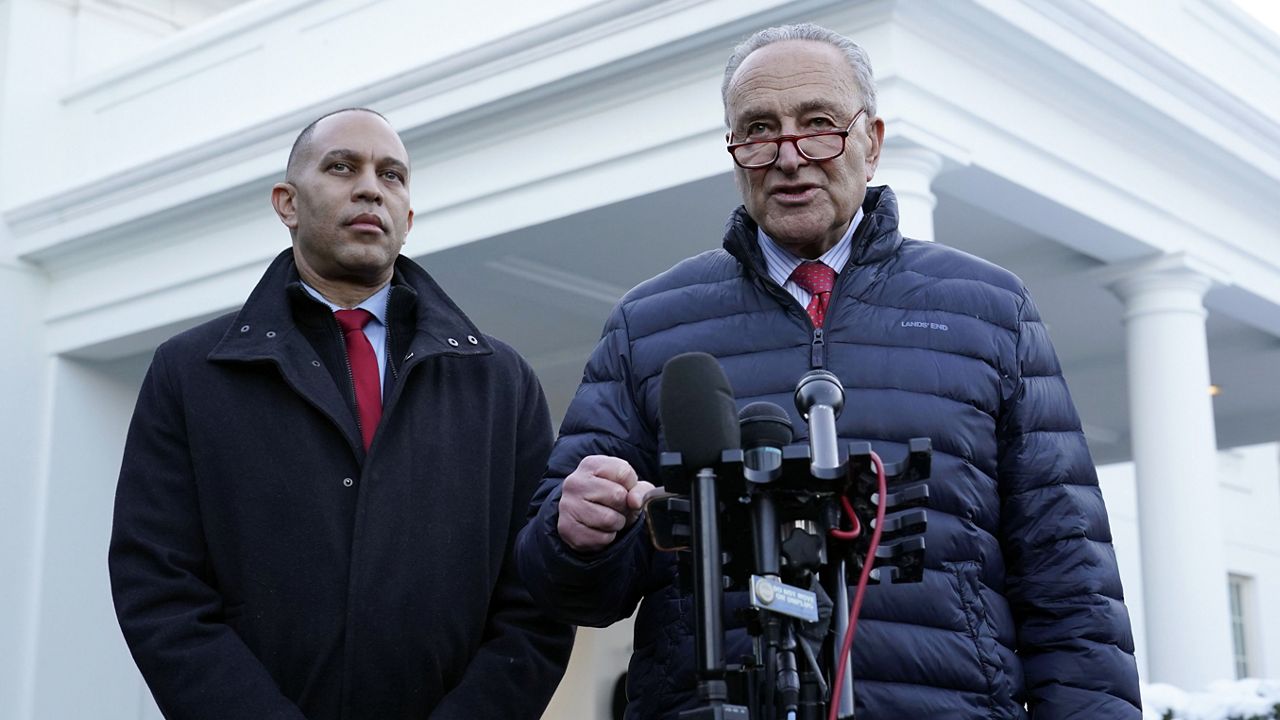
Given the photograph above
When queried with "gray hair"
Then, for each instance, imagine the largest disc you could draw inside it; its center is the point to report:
(857, 58)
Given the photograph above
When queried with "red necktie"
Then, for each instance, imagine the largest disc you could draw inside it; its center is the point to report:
(818, 280)
(364, 370)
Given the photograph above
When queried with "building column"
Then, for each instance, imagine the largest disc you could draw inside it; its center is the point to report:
(910, 169)
(1174, 452)
(24, 423)
(600, 655)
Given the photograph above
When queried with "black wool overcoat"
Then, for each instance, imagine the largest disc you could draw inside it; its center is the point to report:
(264, 566)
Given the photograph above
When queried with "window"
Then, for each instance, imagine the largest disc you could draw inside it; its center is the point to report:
(1239, 587)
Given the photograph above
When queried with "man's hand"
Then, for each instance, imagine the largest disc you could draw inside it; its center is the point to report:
(600, 499)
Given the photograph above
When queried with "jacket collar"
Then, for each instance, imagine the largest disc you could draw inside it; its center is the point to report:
(266, 326)
(875, 239)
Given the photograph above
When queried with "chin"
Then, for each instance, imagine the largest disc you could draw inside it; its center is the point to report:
(794, 234)
(369, 264)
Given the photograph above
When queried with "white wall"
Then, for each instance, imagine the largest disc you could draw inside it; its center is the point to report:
(1250, 481)
(1248, 484)
(82, 667)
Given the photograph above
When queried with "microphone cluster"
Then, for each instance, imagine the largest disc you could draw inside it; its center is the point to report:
(787, 522)
(752, 454)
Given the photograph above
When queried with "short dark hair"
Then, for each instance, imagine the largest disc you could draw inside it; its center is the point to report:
(304, 137)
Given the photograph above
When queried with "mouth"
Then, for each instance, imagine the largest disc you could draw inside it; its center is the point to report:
(793, 194)
(366, 222)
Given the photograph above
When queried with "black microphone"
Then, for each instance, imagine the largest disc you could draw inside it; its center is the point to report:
(699, 422)
(766, 428)
(819, 398)
(699, 417)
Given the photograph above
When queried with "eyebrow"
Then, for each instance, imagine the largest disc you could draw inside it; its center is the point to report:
(808, 106)
(355, 157)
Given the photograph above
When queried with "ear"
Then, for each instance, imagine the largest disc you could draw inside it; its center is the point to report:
(410, 226)
(875, 136)
(284, 198)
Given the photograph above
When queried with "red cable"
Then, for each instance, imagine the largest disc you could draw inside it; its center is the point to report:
(853, 518)
(847, 645)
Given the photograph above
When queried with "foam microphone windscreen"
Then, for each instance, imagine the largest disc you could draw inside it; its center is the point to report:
(765, 424)
(697, 409)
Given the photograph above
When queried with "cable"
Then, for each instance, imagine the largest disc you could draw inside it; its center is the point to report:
(847, 645)
(853, 518)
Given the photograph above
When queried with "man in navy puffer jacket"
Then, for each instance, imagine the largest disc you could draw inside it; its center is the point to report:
(1020, 612)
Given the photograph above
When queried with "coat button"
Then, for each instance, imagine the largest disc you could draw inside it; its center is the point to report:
(472, 339)
(453, 342)
(348, 482)
(244, 328)
(271, 333)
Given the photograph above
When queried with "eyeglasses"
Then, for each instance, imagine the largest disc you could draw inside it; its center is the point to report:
(756, 154)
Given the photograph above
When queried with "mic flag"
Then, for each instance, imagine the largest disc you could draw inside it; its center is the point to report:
(698, 414)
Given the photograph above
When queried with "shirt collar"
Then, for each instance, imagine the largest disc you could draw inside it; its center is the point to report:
(376, 303)
(781, 262)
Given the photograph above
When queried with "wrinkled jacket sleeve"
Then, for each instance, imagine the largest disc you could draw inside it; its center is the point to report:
(1074, 637)
(524, 652)
(171, 616)
(604, 418)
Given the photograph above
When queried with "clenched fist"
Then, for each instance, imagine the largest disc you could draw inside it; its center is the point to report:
(598, 500)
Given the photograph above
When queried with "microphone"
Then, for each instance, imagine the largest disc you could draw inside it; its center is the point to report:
(697, 410)
(765, 429)
(699, 422)
(819, 398)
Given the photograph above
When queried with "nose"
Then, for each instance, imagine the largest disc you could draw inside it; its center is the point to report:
(789, 157)
(367, 188)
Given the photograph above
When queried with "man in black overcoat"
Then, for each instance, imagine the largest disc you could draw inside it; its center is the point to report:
(314, 518)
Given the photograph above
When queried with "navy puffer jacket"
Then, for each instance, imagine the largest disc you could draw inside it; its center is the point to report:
(1020, 612)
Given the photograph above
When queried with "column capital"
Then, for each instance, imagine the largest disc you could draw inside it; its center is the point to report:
(910, 169)
(906, 156)
(1173, 281)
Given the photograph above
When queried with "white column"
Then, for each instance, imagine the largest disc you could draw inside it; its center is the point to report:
(910, 169)
(1174, 451)
(24, 416)
(600, 655)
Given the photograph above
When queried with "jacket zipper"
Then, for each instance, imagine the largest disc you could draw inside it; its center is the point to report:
(818, 345)
(817, 350)
(817, 342)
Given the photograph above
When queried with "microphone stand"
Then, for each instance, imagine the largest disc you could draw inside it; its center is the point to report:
(777, 685)
(708, 600)
(837, 586)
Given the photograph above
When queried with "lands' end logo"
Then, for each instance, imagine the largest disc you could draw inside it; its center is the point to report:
(924, 325)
